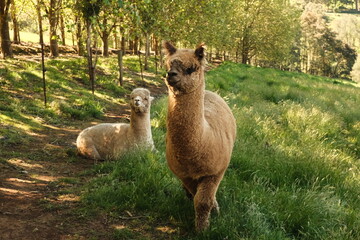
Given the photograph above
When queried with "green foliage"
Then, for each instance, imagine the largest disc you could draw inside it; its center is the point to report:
(293, 174)
(89, 8)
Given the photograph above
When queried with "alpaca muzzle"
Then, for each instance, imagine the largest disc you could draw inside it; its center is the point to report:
(137, 102)
(172, 78)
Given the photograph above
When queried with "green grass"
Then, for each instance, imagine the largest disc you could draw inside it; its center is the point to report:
(294, 173)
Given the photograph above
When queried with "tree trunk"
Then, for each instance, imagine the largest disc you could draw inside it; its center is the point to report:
(147, 51)
(357, 5)
(122, 37)
(237, 53)
(105, 40)
(16, 35)
(62, 30)
(91, 66)
(123, 41)
(104, 34)
(140, 64)
(120, 63)
(4, 29)
(245, 50)
(53, 19)
(131, 46)
(156, 46)
(244, 56)
(161, 59)
(38, 9)
(79, 37)
(136, 44)
(73, 38)
(116, 41)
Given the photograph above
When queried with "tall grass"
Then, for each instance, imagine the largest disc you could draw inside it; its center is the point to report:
(294, 173)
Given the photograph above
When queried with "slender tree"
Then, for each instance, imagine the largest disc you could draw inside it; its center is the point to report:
(4, 29)
(90, 11)
(53, 11)
(104, 31)
(79, 35)
(41, 37)
(62, 29)
(16, 28)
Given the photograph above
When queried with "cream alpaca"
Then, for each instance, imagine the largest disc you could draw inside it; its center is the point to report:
(110, 140)
(201, 130)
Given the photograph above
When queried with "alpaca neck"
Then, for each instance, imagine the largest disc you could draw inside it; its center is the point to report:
(186, 118)
(140, 124)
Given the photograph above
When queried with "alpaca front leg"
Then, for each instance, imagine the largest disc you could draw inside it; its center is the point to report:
(205, 201)
(216, 207)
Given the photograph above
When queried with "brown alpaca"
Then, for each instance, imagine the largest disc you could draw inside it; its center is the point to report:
(201, 130)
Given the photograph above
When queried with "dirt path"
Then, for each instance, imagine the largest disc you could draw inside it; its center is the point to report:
(37, 182)
(34, 199)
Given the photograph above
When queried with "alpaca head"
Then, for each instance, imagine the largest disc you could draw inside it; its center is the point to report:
(184, 68)
(140, 100)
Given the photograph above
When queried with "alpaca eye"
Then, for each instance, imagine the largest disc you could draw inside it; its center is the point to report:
(190, 70)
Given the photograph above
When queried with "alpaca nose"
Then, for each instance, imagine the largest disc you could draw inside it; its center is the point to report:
(171, 78)
(137, 102)
(172, 74)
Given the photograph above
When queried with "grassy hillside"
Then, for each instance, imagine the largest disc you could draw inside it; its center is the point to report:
(294, 173)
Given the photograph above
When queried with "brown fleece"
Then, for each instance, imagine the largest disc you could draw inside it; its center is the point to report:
(201, 130)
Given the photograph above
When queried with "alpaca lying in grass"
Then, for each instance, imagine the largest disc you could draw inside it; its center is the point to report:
(110, 140)
(201, 130)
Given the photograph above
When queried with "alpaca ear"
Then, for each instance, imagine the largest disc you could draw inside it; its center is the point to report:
(200, 51)
(169, 48)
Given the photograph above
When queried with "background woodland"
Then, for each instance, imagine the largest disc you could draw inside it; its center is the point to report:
(318, 37)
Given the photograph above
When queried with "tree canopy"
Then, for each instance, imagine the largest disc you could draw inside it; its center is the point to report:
(295, 35)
